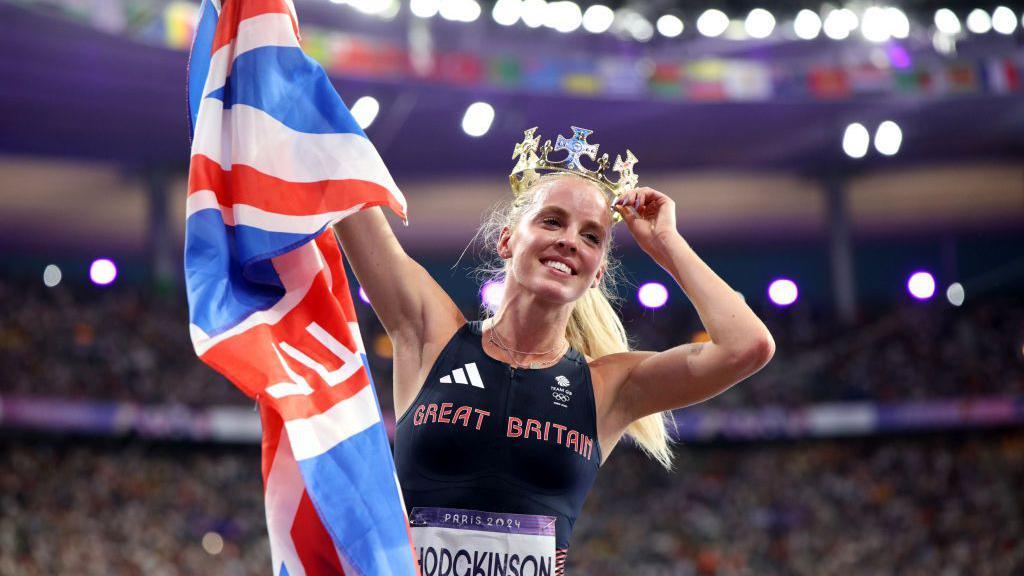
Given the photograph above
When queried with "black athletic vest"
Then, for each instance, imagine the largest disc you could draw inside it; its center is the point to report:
(482, 435)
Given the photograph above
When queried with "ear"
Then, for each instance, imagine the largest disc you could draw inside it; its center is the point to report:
(600, 274)
(503, 248)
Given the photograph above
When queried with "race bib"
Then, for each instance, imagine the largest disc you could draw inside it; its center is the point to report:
(454, 542)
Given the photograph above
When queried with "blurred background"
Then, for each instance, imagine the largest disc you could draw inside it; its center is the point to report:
(853, 169)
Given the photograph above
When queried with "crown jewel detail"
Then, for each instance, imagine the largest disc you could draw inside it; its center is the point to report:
(532, 163)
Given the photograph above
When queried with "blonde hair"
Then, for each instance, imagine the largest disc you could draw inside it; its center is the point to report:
(594, 328)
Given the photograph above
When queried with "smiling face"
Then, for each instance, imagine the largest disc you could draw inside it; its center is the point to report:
(558, 246)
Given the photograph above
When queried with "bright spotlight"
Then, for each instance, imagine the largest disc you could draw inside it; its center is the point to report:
(783, 292)
(921, 285)
(425, 8)
(978, 21)
(888, 138)
(460, 10)
(856, 140)
(478, 118)
(874, 24)
(946, 21)
(1004, 20)
(598, 18)
(507, 12)
(563, 16)
(51, 275)
(807, 24)
(534, 13)
(759, 23)
(839, 23)
(365, 111)
(492, 294)
(712, 23)
(670, 26)
(363, 296)
(652, 295)
(639, 28)
(102, 271)
(955, 294)
(899, 24)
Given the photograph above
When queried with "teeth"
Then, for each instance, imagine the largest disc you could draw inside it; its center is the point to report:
(558, 266)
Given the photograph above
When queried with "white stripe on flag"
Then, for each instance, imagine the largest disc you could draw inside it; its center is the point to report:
(283, 494)
(246, 215)
(256, 32)
(319, 433)
(247, 135)
(297, 270)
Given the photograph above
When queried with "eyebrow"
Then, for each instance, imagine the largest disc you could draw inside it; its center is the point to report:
(564, 213)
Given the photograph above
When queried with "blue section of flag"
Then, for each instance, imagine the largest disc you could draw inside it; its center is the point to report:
(358, 504)
(199, 59)
(289, 86)
(214, 274)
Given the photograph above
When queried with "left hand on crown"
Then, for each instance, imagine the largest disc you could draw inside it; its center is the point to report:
(650, 217)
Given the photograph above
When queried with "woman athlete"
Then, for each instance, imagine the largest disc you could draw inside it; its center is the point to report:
(504, 423)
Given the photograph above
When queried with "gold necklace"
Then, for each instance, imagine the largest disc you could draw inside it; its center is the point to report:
(533, 365)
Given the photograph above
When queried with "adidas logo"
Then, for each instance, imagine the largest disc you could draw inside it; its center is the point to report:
(460, 376)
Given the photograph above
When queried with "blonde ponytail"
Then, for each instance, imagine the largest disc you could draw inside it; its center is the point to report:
(594, 328)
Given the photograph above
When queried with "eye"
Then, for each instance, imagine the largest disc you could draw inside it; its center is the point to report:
(594, 238)
(549, 221)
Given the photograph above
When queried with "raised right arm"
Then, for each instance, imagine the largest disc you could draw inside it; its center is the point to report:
(416, 312)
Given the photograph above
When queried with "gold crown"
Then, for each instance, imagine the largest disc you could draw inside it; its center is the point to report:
(533, 163)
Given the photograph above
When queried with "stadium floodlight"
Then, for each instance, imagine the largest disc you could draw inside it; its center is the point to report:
(478, 118)
(979, 22)
(51, 275)
(491, 294)
(670, 26)
(1004, 20)
(102, 271)
(759, 23)
(874, 24)
(652, 295)
(534, 13)
(425, 8)
(839, 23)
(888, 138)
(460, 10)
(639, 28)
(807, 24)
(921, 285)
(712, 23)
(947, 22)
(856, 140)
(563, 16)
(899, 24)
(365, 111)
(507, 12)
(783, 292)
(955, 294)
(363, 296)
(598, 18)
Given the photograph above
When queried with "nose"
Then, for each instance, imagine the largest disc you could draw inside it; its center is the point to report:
(567, 243)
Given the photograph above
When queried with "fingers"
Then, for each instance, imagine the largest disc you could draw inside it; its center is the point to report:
(638, 199)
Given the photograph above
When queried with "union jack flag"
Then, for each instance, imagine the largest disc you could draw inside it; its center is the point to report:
(276, 159)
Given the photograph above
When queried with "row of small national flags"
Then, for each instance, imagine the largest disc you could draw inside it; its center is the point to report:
(276, 160)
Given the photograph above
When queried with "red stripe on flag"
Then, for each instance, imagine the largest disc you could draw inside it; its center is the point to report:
(312, 542)
(252, 364)
(234, 11)
(246, 185)
(273, 432)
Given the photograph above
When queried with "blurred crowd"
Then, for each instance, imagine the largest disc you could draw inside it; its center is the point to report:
(126, 344)
(932, 505)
